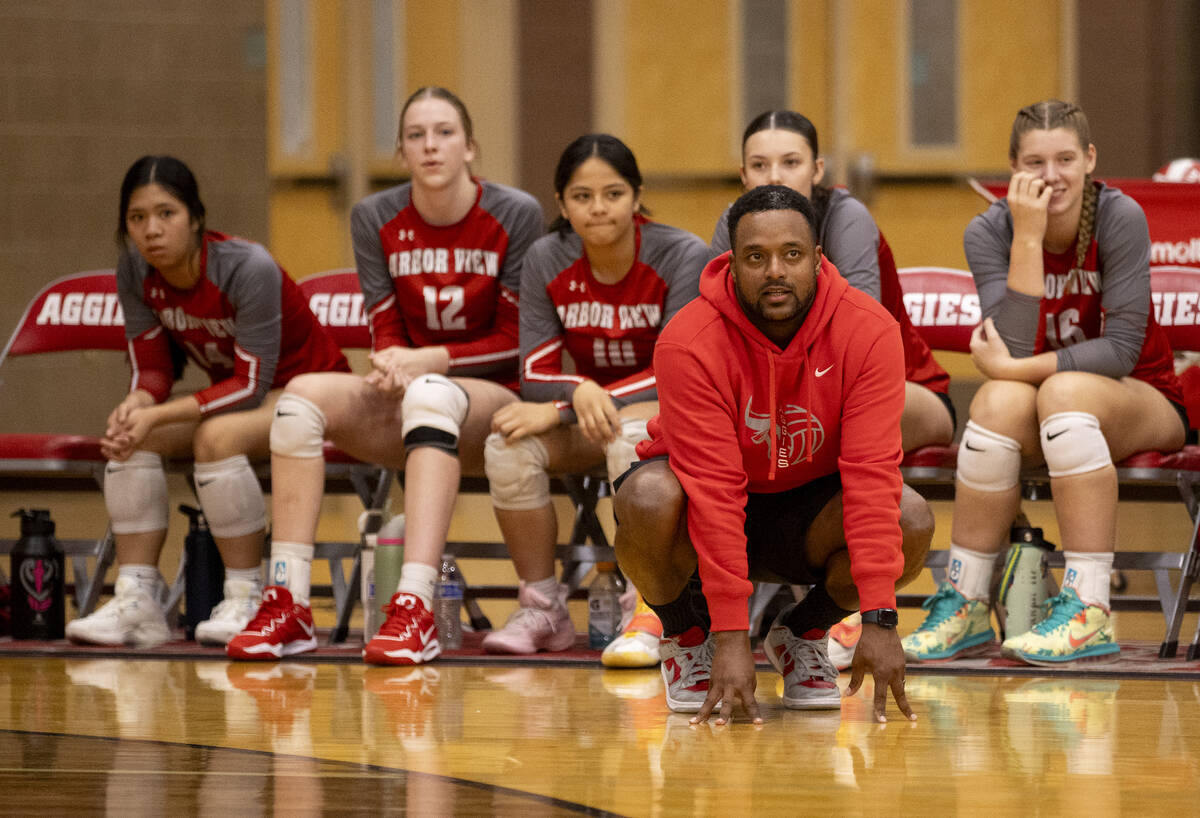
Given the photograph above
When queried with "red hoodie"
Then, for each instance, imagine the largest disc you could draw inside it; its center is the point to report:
(836, 394)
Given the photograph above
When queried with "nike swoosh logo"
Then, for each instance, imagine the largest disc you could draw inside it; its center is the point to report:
(203, 483)
(1077, 642)
(972, 448)
(427, 634)
(821, 372)
(307, 628)
(1056, 434)
(285, 414)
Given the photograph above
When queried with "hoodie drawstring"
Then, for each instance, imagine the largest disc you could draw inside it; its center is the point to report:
(773, 423)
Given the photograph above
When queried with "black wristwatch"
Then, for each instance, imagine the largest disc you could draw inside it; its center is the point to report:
(883, 617)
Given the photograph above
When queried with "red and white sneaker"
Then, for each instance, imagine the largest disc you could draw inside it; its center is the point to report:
(809, 678)
(280, 628)
(686, 666)
(408, 637)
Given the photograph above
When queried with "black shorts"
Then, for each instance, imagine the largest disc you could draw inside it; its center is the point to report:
(634, 466)
(776, 528)
(945, 399)
(1189, 434)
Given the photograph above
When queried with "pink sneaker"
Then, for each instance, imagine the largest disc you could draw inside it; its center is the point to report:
(686, 665)
(280, 628)
(408, 637)
(539, 624)
(809, 678)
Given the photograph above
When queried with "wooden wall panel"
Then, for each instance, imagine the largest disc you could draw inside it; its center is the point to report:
(678, 106)
(434, 37)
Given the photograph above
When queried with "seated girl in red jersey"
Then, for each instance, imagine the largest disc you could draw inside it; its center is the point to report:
(1079, 375)
(781, 148)
(601, 286)
(439, 262)
(227, 304)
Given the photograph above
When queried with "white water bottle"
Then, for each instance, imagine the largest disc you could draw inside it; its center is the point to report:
(447, 605)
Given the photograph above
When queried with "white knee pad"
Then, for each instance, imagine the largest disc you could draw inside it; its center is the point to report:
(1072, 443)
(621, 453)
(434, 408)
(517, 477)
(230, 496)
(135, 493)
(298, 428)
(988, 461)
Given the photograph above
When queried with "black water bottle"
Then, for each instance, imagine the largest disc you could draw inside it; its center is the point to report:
(204, 573)
(5, 606)
(38, 579)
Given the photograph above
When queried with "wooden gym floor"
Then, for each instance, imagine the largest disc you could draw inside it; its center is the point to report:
(155, 737)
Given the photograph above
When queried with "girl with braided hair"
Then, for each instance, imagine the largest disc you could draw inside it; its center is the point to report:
(1079, 376)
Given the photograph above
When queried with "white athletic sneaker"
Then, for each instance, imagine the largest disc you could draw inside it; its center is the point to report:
(809, 678)
(232, 614)
(539, 624)
(102, 673)
(637, 644)
(132, 617)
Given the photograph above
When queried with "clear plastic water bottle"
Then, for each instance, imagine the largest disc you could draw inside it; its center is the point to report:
(604, 606)
(447, 605)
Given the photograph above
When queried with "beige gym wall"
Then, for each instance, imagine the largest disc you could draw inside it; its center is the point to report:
(85, 89)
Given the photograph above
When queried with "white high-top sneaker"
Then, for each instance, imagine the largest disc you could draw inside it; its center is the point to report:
(232, 614)
(133, 617)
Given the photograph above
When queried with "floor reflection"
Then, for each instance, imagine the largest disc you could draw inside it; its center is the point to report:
(295, 738)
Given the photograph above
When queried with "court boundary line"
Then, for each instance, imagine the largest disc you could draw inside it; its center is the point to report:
(572, 806)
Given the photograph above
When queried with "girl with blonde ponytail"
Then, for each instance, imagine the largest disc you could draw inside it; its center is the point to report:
(1079, 376)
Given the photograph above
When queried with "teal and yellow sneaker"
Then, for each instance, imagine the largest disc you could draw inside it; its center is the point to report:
(1070, 632)
(955, 626)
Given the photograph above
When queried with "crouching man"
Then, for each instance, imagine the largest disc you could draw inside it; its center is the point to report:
(776, 457)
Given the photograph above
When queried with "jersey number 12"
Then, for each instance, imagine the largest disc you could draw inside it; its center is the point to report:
(448, 317)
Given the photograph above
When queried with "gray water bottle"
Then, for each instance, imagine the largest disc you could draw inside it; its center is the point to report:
(1023, 589)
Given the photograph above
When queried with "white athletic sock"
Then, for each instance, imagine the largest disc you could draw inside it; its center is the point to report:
(1090, 574)
(146, 576)
(419, 580)
(291, 567)
(253, 576)
(970, 571)
(547, 587)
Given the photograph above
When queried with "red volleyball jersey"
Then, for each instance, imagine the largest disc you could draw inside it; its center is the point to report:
(609, 330)
(1071, 311)
(244, 322)
(447, 285)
